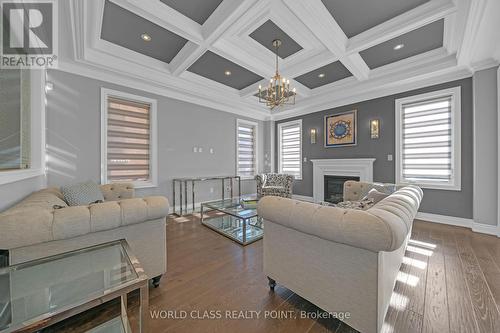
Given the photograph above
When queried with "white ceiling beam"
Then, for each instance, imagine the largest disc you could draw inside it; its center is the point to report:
(301, 66)
(186, 57)
(316, 17)
(471, 27)
(356, 65)
(226, 14)
(422, 15)
(214, 28)
(232, 52)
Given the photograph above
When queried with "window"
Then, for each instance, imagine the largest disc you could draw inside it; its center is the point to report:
(22, 124)
(128, 139)
(246, 148)
(428, 140)
(290, 148)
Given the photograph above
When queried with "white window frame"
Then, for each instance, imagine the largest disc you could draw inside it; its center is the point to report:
(105, 94)
(456, 141)
(286, 124)
(256, 146)
(38, 147)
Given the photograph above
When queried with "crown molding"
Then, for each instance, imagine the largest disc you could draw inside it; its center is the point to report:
(371, 90)
(485, 64)
(157, 89)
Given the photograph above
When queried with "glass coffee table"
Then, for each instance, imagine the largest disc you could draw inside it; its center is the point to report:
(235, 221)
(40, 293)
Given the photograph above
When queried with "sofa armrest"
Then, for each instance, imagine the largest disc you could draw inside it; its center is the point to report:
(384, 227)
(118, 191)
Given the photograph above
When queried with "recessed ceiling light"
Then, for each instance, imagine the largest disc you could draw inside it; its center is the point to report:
(146, 37)
(399, 46)
(227, 73)
(321, 75)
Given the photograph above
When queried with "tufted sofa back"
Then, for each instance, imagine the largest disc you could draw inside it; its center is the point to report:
(383, 227)
(44, 216)
(118, 191)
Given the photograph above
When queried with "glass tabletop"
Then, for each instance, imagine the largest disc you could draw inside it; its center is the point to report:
(47, 286)
(233, 207)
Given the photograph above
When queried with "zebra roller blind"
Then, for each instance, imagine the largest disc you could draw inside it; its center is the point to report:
(427, 147)
(247, 151)
(290, 148)
(128, 140)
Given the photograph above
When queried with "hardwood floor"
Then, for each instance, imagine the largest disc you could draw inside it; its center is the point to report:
(449, 282)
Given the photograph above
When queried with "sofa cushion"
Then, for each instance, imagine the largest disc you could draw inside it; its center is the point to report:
(375, 196)
(82, 194)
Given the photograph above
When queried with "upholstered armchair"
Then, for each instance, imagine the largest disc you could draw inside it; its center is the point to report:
(276, 184)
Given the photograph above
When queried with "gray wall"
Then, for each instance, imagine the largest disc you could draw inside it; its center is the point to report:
(12, 193)
(485, 146)
(73, 137)
(451, 203)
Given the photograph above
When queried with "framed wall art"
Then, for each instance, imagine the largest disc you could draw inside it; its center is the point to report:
(341, 129)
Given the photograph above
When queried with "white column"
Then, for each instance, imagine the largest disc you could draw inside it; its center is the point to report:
(485, 151)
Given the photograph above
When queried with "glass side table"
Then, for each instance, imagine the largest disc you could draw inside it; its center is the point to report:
(37, 294)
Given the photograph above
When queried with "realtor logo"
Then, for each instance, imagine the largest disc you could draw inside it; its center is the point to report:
(29, 34)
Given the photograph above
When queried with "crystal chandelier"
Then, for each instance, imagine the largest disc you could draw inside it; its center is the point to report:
(278, 92)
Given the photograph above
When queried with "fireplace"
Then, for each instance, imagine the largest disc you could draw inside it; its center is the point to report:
(334, 188)
(347, 168)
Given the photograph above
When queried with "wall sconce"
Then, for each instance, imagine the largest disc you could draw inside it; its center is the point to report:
(374, 128)
(313, 135)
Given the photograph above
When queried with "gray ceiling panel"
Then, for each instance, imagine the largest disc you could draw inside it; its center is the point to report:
(196, 10)
(124, 28)
(212, 66)
(418, 41)
(266, 33)
(330, 73)
(356, 16)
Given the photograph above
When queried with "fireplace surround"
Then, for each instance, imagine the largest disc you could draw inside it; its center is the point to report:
(361, 168)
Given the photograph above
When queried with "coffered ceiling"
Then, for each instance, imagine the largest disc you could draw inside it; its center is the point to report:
(217, 52)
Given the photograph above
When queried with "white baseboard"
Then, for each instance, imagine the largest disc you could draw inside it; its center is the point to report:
(444, 219)
(302, 198)
(485, 229)
(459, 222)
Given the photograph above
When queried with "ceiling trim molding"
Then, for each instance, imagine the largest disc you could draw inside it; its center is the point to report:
(418, 17)
(166, 17)
(153, 88)
(226, 33)
(485, 64)
(472, 23)
(360, 95)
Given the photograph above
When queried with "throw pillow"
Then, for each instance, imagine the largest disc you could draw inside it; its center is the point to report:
(375, 196)
(363, 204)
(82, 194)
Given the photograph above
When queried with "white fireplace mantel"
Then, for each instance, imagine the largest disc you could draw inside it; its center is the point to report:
(347, 167)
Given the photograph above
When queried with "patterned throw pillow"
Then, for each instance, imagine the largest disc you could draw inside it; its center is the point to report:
(82, 194)
(375, 196)
(363, 204)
